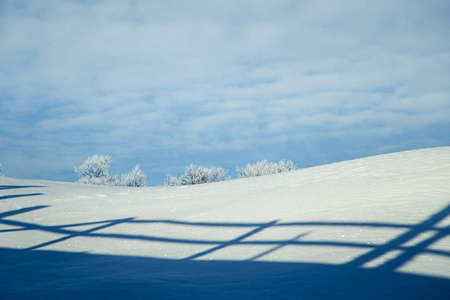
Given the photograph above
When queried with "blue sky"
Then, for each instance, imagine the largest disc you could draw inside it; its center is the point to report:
(218, 83)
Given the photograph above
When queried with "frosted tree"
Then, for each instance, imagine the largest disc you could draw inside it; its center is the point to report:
(264, 167)
(136, 178)
(95, 170)
(197, 175)
(95, 166)
(171, 180)
(1, 170)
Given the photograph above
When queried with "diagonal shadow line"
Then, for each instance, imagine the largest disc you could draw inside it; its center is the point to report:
(281, 245)
(235, 225)
(411, 252)
(60, 230)
(21, 211)
(14, 230)
(208, 224)
(8, 187)
(20, 196)
(426, 225)
(401, 239)
(71, 233)
(78, 233)
(343, 224)
(231, 242)
(56, 229)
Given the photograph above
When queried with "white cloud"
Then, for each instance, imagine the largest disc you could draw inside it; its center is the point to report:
(218, 74)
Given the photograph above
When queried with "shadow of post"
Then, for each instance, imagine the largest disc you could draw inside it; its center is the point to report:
(14, 187)
(408, 252)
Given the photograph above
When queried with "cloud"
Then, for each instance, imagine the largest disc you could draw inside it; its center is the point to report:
(129, 78)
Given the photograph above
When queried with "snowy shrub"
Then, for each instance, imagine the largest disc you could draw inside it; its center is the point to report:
(197, 175)
(171, 180)
(265, 168)
(134, 178)
(106, 180)
(95, 170)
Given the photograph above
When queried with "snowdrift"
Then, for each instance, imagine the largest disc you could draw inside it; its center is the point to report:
(372, 228)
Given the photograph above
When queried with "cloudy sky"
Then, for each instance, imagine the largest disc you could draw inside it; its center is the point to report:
(218, 83)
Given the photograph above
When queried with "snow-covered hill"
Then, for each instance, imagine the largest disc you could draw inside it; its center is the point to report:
(372, 228)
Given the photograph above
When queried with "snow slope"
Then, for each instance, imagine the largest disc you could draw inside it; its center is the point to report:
(372, 228)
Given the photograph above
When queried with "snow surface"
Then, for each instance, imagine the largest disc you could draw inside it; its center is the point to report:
(372, 228)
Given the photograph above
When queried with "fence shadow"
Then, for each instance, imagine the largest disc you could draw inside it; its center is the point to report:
(20, 196)
(52, 274)
(14, 187)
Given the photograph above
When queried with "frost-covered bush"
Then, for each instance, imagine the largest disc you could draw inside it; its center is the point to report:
(265, 168)
(106, 180)
(197, 175)
(135, 178)
(171, 180)
(95, 170)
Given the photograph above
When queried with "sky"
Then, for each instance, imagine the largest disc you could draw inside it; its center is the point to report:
(164, 84)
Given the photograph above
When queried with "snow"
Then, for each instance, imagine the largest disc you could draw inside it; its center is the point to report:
(372, 228)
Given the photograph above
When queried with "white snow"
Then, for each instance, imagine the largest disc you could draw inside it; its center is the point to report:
(372, 228)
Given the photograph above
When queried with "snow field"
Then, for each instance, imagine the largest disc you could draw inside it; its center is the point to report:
(387, 215)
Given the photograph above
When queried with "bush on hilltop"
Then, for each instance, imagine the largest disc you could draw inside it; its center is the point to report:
(265, 168)
(197, 175)
(136, 177)
(95, 170)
